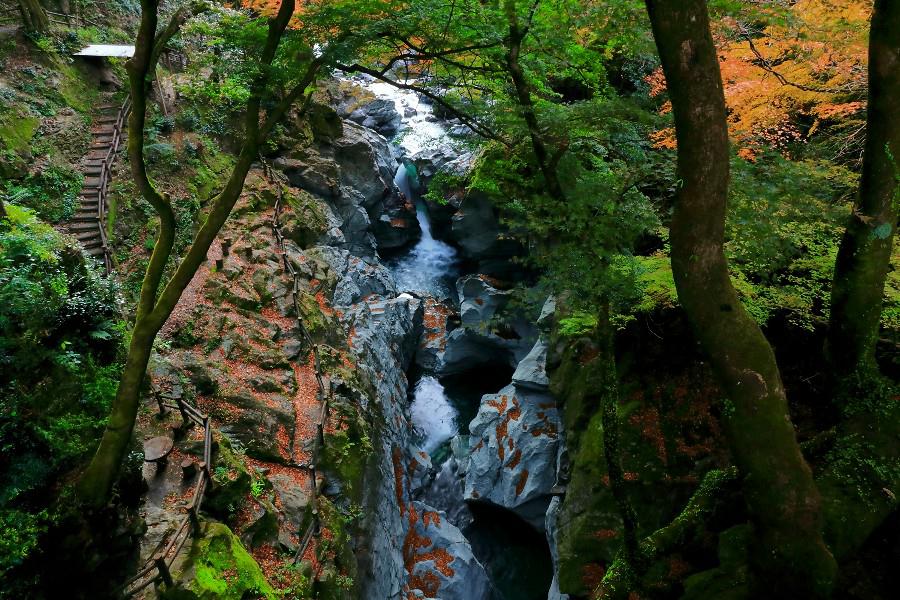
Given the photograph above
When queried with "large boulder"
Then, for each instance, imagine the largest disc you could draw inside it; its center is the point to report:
(380, 115)
(367, 162)
(479, 300)
(468, 349)
(398, 225)
(514, 453)
(438, 558)
(354, 173)
(531, 373)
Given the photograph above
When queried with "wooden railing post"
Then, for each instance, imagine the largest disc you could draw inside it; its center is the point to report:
(163, 569)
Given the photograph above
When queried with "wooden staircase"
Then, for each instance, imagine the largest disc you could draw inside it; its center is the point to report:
(88, 224)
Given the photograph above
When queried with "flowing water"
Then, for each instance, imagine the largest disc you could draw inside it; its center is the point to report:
(429, 269)
(516, 557)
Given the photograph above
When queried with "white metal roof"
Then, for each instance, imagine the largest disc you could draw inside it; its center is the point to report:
(106, 50)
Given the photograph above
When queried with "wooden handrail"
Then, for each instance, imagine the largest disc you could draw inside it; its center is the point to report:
(162, 558)
(177, 541)
(323, 398)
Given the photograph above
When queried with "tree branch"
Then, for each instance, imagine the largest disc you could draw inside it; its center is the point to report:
(479, 128)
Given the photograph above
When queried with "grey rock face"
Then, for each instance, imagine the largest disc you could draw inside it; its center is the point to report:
(513, 459)
(531, 372)
(551, 525)
(479, 301)
(354, 173)
(380, 115)
(467, 349)
(367, 163)
(398, 225)
(441, 563)
(475, 227)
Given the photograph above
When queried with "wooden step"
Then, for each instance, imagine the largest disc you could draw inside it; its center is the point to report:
(85, 217)
(84, 226)
(80, 226)
(96, 251)
(90, 241)
(91, 182)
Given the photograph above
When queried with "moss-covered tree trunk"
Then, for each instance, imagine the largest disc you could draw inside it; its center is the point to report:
(865, 252)
(789, 556)
(154, 307)
(34, 17)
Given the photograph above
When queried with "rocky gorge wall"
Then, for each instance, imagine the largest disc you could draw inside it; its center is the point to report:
(394, 525)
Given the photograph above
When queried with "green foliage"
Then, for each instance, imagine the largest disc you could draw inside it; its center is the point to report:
(19, 535)
(583, 244)
(52, 193)
(60, 342)
(784, 226)
(577, 324)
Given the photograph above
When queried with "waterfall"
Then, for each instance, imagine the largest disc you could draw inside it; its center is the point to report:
(430, 267)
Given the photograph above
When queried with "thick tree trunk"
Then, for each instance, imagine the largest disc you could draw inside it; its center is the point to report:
(97, 480)
(34, 17)
(865, 252)
(789, 556)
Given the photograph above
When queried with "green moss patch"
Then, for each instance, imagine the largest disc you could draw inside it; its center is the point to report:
(223, 569)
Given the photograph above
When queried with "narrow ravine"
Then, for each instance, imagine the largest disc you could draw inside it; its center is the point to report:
(514, 554)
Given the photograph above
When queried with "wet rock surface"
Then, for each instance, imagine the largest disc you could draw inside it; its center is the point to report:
(439, 559)
(513, 456)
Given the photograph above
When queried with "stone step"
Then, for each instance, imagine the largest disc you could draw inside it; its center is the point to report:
(88, 237)
(80, 226)
(89, 242)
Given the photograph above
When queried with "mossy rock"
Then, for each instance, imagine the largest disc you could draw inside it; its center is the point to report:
(324, 122)
(304, 221)
(231, 482)
(219, 567)
(15, 139)
(337, 577)
(659, 415)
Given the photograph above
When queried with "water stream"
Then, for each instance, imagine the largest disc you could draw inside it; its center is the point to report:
(515, 556)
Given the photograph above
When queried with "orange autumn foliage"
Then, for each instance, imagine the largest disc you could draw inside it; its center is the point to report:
(788, 80)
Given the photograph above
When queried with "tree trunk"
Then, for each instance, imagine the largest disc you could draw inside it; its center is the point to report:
(789, 556)
(517, 34)
(865, 253)
(97, 481)
(34, 17)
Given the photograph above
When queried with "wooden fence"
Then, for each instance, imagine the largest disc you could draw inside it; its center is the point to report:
(158, 567)
(323, 394)
(102, 190)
